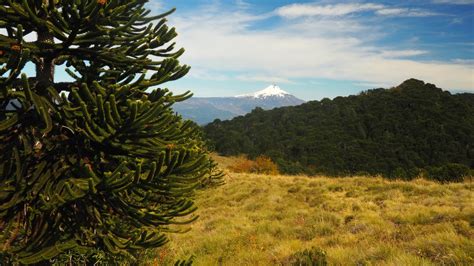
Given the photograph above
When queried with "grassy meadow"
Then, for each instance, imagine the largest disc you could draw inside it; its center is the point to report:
(262, 220)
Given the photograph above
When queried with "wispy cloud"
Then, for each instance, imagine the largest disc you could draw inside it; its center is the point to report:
(222, 41)
(405, 12)
(454, 2)
(299, 10)
(205, 74)
(264, 78)
(464, 61)
(401, 53)
(455, 21)
(315, 9)
(156, 5)
(371, 85)
(241, 4)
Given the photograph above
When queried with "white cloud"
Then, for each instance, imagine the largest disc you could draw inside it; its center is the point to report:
(299, 10)
(405, 12)
(241, 4)
(454, 2)
(311, 48)
(204, 74)
(264, 78)
(372, 85)
(401, 53)
(457, 21)
(464, 61)
(315, 9)
(155, 5)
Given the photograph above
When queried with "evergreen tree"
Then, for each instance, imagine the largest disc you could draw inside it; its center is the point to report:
(109, 166)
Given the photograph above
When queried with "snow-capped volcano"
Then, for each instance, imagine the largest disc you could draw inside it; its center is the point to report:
(205, 109)
(272, 90)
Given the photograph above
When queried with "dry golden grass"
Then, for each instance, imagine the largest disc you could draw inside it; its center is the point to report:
(224, 161)
(262, 220)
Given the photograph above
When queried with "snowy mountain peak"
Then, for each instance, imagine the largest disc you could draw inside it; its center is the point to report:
(272, 90)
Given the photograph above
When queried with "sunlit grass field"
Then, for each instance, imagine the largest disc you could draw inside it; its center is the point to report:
(263, 220)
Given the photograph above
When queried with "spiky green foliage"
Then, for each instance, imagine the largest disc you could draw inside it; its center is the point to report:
(110, 166)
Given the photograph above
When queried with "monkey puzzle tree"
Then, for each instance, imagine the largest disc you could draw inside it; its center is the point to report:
(109, 166)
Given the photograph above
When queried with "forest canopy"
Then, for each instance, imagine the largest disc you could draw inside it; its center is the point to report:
(396, 132)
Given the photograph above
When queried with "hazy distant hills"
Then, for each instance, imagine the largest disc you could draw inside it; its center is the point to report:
(394, 132)
(203, 110)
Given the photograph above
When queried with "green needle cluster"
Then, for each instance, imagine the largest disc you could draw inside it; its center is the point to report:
(100, 162)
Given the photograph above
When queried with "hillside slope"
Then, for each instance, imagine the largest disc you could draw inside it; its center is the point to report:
(382, 131)
(262, 220)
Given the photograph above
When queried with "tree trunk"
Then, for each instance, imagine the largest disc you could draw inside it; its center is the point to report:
(45, 66)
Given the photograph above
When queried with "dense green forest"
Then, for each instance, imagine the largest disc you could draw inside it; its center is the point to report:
(395, 132)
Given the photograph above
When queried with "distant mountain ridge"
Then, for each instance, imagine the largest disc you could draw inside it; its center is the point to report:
(203, 110)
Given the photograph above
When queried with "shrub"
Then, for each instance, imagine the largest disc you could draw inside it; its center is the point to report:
(242, 165)
(399, 173)
(265, 165)
(309, 257)
(451, 172)
(293, 168)
(261, 165)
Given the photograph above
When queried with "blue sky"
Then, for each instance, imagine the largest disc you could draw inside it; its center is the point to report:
(317, 49)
